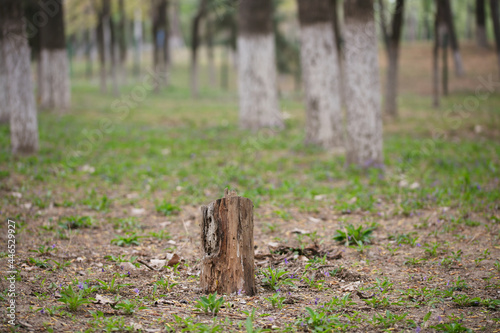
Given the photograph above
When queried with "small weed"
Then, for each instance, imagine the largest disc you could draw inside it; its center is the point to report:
(276, 300)
(388, 319)
(113, 286)
(129, 307)
(43, 249)
(166, 284)
(76, 222)
(167, 209)
(162, 235)
(72, 299)
(350, 235)
(127, 240)
(39, 262)
(275, 278)
(210, 304)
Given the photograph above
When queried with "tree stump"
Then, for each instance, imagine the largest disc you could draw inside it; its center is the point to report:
(227, 246)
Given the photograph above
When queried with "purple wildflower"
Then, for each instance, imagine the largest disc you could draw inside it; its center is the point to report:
(53, 246)
(81, 286)
(42, 311)
(418, 330)
(136, 291)
(440, 319)
(419, 245)
(286, 261)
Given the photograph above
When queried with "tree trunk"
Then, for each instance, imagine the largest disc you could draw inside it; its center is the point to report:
(257, 74)
(227, 246)
(453, 40)
(481, 38)
(4, 112)
(160, 37)
(496, 28)
(320, 73)
(103, 40)
(336, 25)
(435, 60)
(54, 87)
(224, 69)
(89, 41)
(114, 56)
(137, 41)
(444, 47)
(122, 41)
(195, 41)
(176, 39)
(212, 79)
(392, 42)
(19, 100)
(364, 119)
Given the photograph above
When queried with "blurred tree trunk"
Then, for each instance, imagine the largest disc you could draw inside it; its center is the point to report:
(481, 38)
(176, 39)
(321, 74)
(426, 4)
(137, 40)
(89, 42)
(448, 14)
(54, 89)
(496, 28)
(114, 57)
(195, 41)
(364, 118)
(257, 73)
(334, 4)
(19, 102)
(122, 40)
(444, 36)
(103, 41)
(209, 33)
(440, 32)
(160, 39)
(392, 42)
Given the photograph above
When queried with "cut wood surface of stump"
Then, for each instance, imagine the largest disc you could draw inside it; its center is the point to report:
(227, 246)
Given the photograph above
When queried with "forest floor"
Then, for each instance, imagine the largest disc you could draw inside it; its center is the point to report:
(108, 196)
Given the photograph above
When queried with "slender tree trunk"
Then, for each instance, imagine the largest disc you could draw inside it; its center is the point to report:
(54, 88)
(176, 39)
(224, 69)
(444, 47)
(114, 56)
(453, 40)
(160, 36)
(4, 110)
(435, 60)
(88, 53)
(195, 41)
(496, 28)
(468, 21)
(257, 74)
(320, 73)
(137, 41)
(481, 38)
(212, 78)
(19, 97)
(392, 42)
(364, 119)
(103, 41)
(122, 41)
(336, 25)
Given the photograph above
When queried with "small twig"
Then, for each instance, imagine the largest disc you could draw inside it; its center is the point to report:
(145, 264)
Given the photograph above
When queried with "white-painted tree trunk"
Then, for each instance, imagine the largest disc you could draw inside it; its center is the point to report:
(54, 88)
(364, 121)
(20, 99)
(321, 78)
(257, 79)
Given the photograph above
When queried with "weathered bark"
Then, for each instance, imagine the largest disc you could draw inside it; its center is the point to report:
(496, 28)
(257, 74)
(227, 246)
(160, 36)
(453, 40)
(195, 41)
(481, 38)
(364, 119)
(392, 42)
(19, 97)
(54, 88)
(321, 74)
